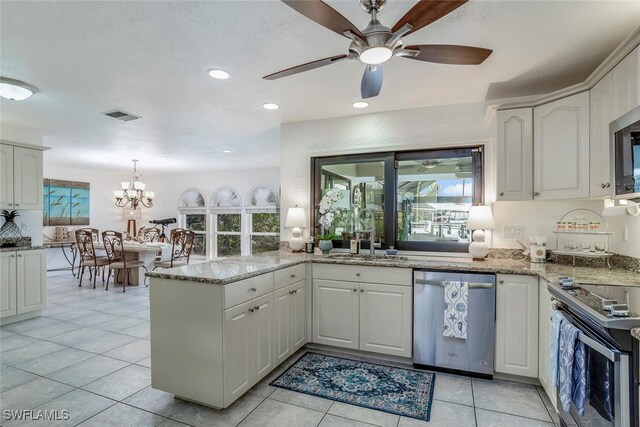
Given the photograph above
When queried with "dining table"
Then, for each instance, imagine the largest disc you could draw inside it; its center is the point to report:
(146, 252)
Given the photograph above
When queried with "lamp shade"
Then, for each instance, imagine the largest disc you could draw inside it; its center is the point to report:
(296, 218)
(480, 218)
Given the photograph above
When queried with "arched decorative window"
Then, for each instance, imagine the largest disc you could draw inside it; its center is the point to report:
(263, 220)
(226, 219)
(192, 210)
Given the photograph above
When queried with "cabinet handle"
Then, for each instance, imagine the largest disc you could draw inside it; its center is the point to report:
(253, 289)
(293, 276)
(295, 292)
(12, 256)
(16, 204)
(608, 185)
(355, 290)
(257, 308)
(361, 290)
(535, 193)
(603, 185)
(290, 292)
(501, 281)
(502, 193)
(251, 310)
(19, 256)
(358, 274)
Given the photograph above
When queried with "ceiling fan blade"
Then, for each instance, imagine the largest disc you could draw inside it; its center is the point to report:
(427, 11)
(450, 54)
(371, 81)
(305, 67)
(323, 14)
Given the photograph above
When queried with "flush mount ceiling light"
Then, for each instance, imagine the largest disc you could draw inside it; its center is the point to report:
(219, 74)
(270, 106)
(226, 150)
(360, 104)
(16, 90)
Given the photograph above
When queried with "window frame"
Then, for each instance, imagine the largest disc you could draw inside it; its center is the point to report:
(184, 210)
(214, 211)
(391, 159)
(251, 233)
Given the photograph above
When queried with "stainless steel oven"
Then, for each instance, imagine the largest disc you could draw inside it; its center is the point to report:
(608, 376)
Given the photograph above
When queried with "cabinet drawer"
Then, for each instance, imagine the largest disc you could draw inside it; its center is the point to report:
(289, 275)
(238, 292)
(362, 273)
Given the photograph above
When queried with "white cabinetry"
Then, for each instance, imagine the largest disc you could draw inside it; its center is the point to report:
(517, 325)
(561, 148)
(23, 285)
(625, 84)
(602, 113)
(289, 320)
(515, 151)
(544, 337)
(21, 173)
(369, 310)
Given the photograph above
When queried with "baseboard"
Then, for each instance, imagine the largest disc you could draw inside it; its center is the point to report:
(19, 317)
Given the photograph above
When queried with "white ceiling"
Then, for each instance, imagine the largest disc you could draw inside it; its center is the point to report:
(151, 59)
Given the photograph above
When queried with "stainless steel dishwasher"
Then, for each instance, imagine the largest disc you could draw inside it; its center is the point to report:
(473, 355)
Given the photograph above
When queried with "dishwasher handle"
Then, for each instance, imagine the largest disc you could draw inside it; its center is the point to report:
(471, 285)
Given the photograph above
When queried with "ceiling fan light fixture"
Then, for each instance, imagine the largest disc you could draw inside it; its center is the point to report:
(376, 55)
(219, 74)
(360, 104)
(16, 90)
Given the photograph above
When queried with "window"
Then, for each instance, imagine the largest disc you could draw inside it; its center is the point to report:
(263, 220)
(226, 213)
(417, 200)
(193, 217)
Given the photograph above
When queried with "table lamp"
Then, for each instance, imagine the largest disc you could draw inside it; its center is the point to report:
(480, 219)
(296, 219)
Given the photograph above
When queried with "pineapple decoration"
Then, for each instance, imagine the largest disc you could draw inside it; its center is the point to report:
(10, 233)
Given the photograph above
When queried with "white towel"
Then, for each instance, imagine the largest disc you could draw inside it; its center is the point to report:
(456, 301)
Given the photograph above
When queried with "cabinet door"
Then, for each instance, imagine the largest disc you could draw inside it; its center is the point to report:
(31, 290)
(27, 170)
(515, 154)
(517, 325)
(335, 313)
(263, 339)
(6, 176)
(624, 84)
(385, 319)
(561, 148)
(544, 329)
(298, 306)
(238, 337)
(7, 284)
(600, 112)
(282, 319)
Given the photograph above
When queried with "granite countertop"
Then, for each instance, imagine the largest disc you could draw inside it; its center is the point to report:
(635, 332)
(21, 248)
(228, 270)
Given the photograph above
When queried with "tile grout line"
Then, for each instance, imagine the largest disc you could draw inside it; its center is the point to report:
(545, 406)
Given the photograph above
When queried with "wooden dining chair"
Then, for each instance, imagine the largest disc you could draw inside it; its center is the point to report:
(85, 239)
(113, 244)
(181, 246)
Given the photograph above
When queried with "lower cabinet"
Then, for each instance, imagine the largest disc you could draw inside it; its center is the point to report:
(248, 345)
(517, 325)
(23, 282)
(366, 316)
(544, 340)
(289, 320)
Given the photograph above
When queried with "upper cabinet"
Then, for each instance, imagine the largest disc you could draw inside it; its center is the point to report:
(561, 148)
(515, 148)
(625, 84)
(21, 173)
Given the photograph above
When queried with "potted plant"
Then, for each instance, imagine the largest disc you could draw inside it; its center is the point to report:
(10, 233)
(325, 242)
(328, 208)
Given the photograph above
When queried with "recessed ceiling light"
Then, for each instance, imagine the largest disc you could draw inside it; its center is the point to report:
(219, 74)
(164, 158)
(226, 150)
(270, 106)
(15, 90)
(360, 104)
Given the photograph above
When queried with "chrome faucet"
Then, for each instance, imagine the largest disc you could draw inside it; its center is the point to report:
(372, 237)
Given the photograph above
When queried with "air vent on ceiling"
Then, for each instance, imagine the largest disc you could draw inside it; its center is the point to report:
(121, 115)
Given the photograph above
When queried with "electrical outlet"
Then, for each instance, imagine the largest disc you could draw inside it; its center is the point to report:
(513, 231)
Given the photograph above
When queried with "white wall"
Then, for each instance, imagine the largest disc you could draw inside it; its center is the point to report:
(431, 127)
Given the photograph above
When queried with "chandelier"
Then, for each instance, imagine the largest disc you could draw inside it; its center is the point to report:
(133, 192)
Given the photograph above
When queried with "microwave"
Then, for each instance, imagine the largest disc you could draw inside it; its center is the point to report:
(625, 155)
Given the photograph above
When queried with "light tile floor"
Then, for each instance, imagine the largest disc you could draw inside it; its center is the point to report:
(89, 354)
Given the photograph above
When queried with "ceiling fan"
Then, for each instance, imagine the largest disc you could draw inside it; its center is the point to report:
(377, 43)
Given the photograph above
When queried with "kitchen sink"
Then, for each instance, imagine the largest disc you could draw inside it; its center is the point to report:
(368, 257)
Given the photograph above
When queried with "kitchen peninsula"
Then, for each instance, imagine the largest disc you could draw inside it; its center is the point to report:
(219, 327)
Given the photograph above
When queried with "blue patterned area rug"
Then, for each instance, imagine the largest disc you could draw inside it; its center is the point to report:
(385, 388)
